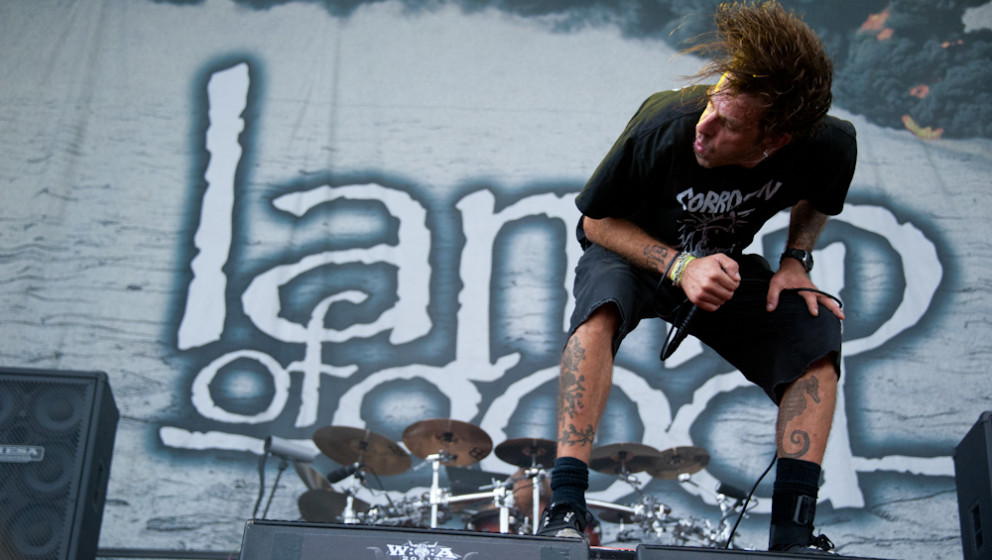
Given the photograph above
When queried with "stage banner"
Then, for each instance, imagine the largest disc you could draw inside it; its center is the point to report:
(266, 217)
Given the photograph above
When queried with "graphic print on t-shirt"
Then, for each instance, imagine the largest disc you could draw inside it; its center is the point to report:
(722, 221)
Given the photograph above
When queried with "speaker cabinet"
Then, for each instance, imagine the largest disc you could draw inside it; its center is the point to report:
(973, 478)
(275, 540)
(57, 433)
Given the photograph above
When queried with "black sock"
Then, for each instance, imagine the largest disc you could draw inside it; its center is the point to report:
(797, 485)
(569, 482)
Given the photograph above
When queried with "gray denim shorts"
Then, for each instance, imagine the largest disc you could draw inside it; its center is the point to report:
(770, 349)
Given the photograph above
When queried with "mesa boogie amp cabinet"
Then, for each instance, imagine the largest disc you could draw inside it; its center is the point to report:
(57, 431)
(280, 540)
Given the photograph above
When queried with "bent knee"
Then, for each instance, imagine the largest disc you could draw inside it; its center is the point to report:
(603, 322)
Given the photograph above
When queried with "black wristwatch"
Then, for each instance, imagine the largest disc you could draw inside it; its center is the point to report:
(804, 257)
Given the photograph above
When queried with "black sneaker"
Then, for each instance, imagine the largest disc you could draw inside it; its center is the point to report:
(820, 544)
(563, 521)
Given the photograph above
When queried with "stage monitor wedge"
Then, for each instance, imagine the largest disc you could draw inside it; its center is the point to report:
(655, 552)
(275, 540)
(57, 432)
(973, 478)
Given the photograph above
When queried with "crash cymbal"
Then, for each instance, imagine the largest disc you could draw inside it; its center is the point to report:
(527, 452)
(466, 444)
(679, 460)
(327, 506)
(376, 453)
(612, 458)
(312, 479)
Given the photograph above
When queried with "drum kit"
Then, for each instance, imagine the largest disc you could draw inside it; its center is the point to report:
(511, 505)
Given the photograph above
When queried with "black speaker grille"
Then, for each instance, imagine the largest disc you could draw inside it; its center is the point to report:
(43, 427)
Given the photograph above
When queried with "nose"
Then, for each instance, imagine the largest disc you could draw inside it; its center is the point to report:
(706, 123)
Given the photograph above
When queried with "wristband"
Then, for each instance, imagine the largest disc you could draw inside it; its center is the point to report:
(676, 272)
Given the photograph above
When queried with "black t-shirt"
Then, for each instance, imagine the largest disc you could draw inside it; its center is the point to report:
(651, 177)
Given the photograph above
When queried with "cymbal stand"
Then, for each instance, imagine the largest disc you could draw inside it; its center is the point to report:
(501, 499)
(435, 495)
(625, 475)
(537, 475)
(730, 500)
(349, 516)
(641, 513)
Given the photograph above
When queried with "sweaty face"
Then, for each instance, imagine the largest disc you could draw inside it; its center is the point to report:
(727, 132)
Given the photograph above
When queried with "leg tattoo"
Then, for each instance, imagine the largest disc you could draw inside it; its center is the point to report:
(791, 408)
(575, 436)
(571, 389)
(570, 393)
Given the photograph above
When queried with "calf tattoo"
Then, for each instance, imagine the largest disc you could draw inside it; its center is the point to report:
(570, 393)
(574, 436)
(791, 407)
(570, 389)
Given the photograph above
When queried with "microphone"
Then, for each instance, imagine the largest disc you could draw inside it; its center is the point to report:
(290, 450)
(338, 475)
(677, 334)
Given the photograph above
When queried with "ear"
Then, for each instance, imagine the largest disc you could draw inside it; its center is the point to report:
(775, 142)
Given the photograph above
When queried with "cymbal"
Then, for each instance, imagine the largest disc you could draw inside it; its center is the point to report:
(327, 506)
(526, 452)
(312, 479)
(376, 453)
(466, 443)
(612, 458)
(679, 460)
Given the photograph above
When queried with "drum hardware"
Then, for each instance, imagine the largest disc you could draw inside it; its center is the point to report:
(461, 443)
(731, 501)
(531, 454)
(623, 458)
(324, 505)
(373, 452)
(286, 451)
(528, 452)
(312, 479)
(501, 500)
(449, 442)
(676, 461)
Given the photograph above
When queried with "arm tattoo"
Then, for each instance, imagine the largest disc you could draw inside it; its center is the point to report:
(656, 256)
(571, 390)
(791, 408)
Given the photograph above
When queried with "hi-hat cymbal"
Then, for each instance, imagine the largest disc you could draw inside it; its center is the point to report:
(376, 453)
(527, 452)
(465, 444)
(327, 506)
(679, 460)
(312, 479)
(615, 457)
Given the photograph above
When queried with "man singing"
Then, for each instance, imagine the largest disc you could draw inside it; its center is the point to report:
(665, 218)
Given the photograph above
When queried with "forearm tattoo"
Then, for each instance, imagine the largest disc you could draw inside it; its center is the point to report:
(791, 407)
(656, 256)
